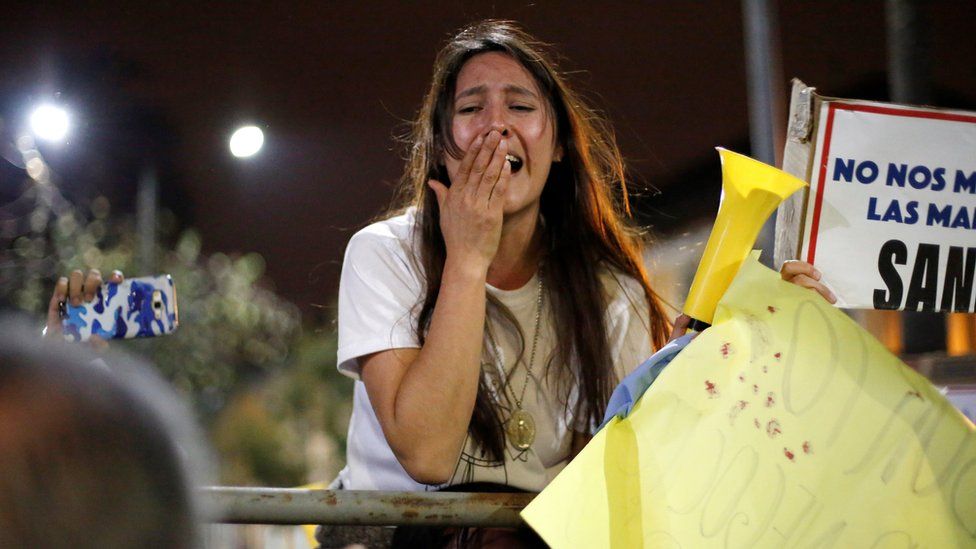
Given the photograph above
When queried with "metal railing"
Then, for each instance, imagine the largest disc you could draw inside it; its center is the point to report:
(236, 505)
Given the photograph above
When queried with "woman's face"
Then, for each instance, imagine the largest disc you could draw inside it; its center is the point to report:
(494, 91)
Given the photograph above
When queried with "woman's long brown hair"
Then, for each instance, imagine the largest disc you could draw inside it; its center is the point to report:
(587, 222)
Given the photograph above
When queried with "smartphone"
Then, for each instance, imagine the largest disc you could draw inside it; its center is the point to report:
(138, 307)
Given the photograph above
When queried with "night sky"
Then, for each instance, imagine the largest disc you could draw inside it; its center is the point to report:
(333, 83)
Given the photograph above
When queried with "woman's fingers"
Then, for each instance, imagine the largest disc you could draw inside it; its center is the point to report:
(464, 170)
(471, 227)
(806, 275)
(795, 267)
(481, 164)
(468, 163)
(493, 172)
(76, 284)
(93, 281)
(60, 293)
(680, 326)
(807, 282)
(496, 196)
(82, 288)
(77, 288)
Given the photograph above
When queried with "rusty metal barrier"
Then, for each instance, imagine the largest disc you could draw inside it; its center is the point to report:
(237, 505)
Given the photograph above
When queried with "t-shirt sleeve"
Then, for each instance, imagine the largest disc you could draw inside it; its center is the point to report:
(378, 290)
(628, 333)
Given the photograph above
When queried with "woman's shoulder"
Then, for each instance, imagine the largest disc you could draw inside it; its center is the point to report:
(620, 285)
(395, 233)
(396, 227)
(624, 295)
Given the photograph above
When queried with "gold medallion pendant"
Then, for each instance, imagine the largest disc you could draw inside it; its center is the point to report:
(521, 429)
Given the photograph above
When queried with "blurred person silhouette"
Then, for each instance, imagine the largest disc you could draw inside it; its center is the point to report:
(92, 455)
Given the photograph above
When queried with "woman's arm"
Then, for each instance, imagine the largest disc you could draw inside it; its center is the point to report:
(424, 398)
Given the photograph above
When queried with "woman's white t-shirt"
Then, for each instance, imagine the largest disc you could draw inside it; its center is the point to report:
(379, 292)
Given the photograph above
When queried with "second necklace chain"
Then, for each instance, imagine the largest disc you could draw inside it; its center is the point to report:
(520, 426)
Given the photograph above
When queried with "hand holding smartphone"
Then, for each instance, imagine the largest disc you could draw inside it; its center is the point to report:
(130, 308)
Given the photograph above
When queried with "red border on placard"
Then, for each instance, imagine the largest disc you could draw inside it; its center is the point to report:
(818, 201)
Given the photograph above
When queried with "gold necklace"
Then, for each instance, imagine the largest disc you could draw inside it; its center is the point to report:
(520, 426)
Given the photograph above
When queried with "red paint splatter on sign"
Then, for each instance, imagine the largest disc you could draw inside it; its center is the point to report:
(726, 350)
(734, 413)
(771, 309)
(755, 389)
(711, 389)
(806, 447)
(770, 399)
(742, 377)
(778, 355)
(772, 428)
(789, 455)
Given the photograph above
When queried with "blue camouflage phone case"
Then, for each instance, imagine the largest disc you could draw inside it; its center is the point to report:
(138, 307)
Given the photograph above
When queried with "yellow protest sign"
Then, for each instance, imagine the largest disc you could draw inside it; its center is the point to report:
(783, 425)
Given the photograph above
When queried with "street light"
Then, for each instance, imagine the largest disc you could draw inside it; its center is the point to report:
(49, 122)
(246, 141)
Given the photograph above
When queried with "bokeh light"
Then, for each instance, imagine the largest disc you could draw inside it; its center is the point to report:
(246, 141)
(49, 122)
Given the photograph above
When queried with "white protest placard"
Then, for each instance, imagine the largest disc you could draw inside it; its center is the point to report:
(891, 215)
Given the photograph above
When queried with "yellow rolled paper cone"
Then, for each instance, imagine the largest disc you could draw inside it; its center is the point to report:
(751, 191)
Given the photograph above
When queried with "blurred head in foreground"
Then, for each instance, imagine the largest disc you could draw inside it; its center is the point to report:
(91, 455)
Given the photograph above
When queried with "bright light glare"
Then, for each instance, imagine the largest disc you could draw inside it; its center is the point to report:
(246, 141)
(49, 122)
